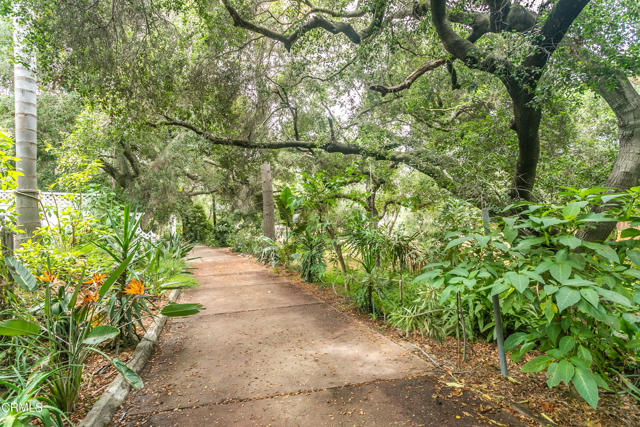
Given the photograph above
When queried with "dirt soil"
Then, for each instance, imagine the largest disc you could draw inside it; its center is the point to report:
(98, 372)
(267, 351)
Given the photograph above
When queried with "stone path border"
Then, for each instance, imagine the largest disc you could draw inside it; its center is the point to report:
(102, 411)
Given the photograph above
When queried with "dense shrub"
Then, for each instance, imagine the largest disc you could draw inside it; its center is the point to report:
(576, 302)
(195, 225)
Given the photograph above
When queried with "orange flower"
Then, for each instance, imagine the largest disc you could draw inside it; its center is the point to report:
(96, 278)
(89, 298)
(135, 287)
(47, 277)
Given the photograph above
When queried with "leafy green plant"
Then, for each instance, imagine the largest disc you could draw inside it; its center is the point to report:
(270, 251)
(26, 401)
(126, 247)
(68, 327)
(195, 225)
(581, 299)
(310, 256)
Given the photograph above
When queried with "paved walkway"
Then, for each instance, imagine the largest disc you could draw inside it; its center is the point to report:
(266, 353)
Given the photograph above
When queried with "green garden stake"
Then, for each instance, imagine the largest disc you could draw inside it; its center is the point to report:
(496, 311)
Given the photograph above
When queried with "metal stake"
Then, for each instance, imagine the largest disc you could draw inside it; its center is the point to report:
(497, 316)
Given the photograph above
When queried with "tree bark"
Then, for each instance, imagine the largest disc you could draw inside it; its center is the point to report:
(26, 140)
(624, 100)
(268, 211)
(526, 123)
(339, 255)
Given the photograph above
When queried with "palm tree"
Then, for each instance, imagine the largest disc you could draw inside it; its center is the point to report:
(25, 136)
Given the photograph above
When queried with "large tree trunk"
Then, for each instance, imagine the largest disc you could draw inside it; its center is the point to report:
(526, 123)
(268, 210)
(625, 103)
(26, 140)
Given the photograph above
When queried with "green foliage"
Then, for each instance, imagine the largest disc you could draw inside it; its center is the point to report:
(310, 256)
(26, 401)
(195, 225)
(576, 302)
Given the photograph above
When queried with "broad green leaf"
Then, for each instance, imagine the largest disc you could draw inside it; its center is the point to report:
(127, 373)
(519, 281)
(570, 241)
(585, 355)
(571, 210)
(566, 344)
(552, 375)
(534, 276)
(560, 271)
(500, 246)
(565, 371)
(543, 266)
(499, 287)
(514, 340)
(179, 310)
(608, 197)
(586, 385)
(629, 232)
(614, 297)
(100, 334)
(529, 242)
(510, 233)
(634, 256)
(553, 332)
(578, 283)
(431, 274)
(633, 272)
(603, 251)
(18, 327)
(469, 283)
(549, 310)
(482, 240)
(591, 296)
(566, 297)
(537, 364)
(456, 242)
(595, 217)
(20, 274)
(459, 271)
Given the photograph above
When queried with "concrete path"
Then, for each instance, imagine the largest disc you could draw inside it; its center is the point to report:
(266, 353)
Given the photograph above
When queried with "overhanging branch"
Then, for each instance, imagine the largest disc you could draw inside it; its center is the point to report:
(411, 78)
(421, 161)
(315, 21)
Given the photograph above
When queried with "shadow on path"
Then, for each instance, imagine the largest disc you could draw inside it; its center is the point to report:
(266, 353)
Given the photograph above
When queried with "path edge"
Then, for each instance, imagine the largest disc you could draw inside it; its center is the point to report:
(103, 410)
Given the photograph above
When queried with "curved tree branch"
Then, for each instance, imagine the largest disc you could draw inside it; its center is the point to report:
(423, 161)
(315, 21)
(411, 78)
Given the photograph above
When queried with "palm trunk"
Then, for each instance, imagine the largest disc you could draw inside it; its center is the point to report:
(624, 100)
(26, 140)
(268, 210)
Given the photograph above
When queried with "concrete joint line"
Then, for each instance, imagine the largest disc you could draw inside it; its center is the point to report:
(249, 285)
(261, 309)
(233, 400)
(239, 273)
(102, 411)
